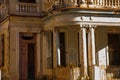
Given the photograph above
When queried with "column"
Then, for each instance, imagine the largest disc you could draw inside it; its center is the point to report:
(83, 49)
(56, 49)
(91, 52)
(91, 46)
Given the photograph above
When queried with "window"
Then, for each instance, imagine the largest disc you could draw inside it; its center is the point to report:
(114, 49)
(62, 49)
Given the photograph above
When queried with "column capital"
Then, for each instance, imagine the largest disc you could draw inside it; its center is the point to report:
(55, 29)
(84, 25)
(92, 26)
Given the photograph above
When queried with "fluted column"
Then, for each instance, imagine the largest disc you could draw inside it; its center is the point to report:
(83, 49)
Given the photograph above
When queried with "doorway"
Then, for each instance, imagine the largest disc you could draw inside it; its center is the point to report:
(27, 57)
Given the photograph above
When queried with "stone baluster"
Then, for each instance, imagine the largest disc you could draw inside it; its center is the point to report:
(91, 1)
(118, 3)
(82, 3)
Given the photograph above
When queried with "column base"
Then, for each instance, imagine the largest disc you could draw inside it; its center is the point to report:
(94, 72)
(14, 76)
(84, 71)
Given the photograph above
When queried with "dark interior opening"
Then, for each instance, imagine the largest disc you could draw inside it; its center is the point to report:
(62, 49)
(27, 1)
(27, 37)
(51, 50)
(31, 66)
(78, 50)
(114, 49)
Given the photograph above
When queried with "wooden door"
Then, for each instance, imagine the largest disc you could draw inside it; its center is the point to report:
(27, 60)
(23, 62)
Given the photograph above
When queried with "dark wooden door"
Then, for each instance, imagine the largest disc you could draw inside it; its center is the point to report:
(27, 60)
(23, 62)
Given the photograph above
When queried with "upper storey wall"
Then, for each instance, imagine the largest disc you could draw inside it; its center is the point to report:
(38, 7)
(25, 7)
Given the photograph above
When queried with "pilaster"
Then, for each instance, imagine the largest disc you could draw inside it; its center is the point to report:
(56, 48)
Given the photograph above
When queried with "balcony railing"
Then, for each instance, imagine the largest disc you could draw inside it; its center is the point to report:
(3, 12)
(88, 3)
(27, 8)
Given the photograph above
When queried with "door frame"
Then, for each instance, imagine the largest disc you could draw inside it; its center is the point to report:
(26, 42)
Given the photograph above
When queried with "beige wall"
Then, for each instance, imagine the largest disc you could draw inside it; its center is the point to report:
(22, 25)
(5, 33)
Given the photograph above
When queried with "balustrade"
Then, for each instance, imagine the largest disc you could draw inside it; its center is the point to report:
(96, 3)
(27, 7)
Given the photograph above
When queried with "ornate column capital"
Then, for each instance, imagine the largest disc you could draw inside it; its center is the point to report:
(84, 25)
(92, 26)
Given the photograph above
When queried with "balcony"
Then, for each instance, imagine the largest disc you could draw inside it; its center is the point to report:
(99, 4)
(3, 12)
(30, 9)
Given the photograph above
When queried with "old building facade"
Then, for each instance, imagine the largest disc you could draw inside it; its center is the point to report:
(60, 39)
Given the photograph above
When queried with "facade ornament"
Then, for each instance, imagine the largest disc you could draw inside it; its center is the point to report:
(49, 4)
